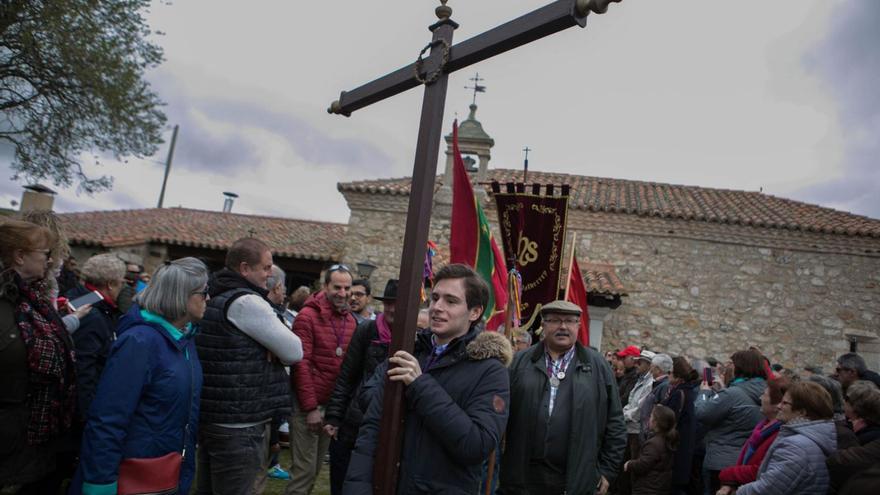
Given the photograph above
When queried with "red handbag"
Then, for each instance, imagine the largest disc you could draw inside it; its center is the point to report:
(154, 475)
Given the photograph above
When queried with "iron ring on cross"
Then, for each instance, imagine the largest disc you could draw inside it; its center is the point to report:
(430, 78)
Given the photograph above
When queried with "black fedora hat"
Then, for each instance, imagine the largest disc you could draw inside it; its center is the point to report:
(390, 292)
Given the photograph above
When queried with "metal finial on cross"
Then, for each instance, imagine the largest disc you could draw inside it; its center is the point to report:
(442, 11)
(526, 164)
(477, 87)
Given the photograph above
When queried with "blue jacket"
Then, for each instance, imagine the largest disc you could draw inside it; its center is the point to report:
(795, 463)
(150, 385)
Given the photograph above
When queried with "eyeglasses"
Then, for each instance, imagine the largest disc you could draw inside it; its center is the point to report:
(202, 292)
(557, 321)
(339, 268)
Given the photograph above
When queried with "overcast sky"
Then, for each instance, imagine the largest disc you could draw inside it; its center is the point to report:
(716, 94)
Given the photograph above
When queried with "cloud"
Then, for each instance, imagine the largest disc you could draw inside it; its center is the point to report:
(221, 135)
(846, 60)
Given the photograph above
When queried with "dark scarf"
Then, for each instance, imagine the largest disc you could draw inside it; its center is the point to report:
(50, 361)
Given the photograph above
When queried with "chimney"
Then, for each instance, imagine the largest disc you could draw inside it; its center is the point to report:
(227, 204)
(37, 197)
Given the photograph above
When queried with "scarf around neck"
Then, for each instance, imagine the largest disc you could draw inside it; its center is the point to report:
(765, 429)
(50, 362)
(384, 330)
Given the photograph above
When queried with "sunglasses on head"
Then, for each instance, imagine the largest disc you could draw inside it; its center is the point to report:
(339, 268)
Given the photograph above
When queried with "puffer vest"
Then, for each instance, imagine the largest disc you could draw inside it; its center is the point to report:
(242, 383)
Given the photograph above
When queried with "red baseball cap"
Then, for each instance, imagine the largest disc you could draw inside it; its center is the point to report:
(630, 351)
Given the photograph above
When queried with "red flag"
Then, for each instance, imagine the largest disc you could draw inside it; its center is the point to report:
(577, 293)
(471, 241)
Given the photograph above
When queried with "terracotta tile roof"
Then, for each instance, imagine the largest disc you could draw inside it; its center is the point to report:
(671, 201)
(205, 229)
(601, 278)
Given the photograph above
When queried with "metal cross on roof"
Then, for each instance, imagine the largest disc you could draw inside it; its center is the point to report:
(477, 87)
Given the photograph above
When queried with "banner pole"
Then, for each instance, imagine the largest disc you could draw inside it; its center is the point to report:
(570, 263)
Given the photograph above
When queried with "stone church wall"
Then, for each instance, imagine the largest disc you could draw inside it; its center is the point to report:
(694, 288)
(705, 298)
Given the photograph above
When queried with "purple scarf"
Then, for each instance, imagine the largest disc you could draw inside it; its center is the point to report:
(384, 330)
(764, 429)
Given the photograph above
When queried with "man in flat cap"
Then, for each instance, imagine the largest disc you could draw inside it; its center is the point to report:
(566, 432)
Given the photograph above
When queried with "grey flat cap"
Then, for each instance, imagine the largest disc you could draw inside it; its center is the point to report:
(561, 307)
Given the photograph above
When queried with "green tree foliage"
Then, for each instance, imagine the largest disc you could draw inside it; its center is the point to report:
(72, 81)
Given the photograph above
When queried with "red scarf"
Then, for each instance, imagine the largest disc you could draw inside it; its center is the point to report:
(384, 330)
(50, 360)
(107, 300)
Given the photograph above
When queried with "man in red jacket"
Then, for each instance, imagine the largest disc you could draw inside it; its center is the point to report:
(325, 326)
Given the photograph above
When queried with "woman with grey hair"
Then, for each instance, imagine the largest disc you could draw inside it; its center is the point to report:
(102, 273)
(863, 410)
(144, 417)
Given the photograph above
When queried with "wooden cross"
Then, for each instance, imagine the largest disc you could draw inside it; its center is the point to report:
(433, 73)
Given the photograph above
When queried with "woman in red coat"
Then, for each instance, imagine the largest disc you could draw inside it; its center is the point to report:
(752, 453)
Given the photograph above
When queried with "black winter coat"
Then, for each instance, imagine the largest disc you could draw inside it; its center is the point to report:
(92, 342)
(456, 413)
(680, 398)
(871, 376)
(598, 432)
(240, 384)
(361, 360)
(626, 383)
(846, 463)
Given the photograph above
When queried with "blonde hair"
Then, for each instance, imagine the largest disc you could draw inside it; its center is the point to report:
(26, 236)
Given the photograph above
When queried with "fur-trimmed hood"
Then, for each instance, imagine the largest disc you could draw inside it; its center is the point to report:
(488, 345)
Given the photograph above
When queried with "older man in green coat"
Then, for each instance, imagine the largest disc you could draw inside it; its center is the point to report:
(566, 432)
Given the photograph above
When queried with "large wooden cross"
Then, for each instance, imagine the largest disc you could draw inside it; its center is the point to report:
(432, 72)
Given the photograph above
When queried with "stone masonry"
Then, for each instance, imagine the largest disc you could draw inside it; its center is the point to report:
(693, 287)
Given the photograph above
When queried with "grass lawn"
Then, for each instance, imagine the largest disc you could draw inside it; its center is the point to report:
(276, 487)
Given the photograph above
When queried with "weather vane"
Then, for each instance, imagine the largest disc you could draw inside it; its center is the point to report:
(477, 87)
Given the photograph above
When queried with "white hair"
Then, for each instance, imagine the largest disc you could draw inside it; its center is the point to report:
(171, 286)
(663, 362)
(277, 277)
(102, 269)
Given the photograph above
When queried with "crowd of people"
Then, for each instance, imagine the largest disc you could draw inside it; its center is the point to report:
(186, 381)
(748, 427)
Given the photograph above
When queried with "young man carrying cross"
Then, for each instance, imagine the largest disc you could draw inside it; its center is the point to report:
(457, 391)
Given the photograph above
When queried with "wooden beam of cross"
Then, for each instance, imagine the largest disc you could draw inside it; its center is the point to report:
(433, 73)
